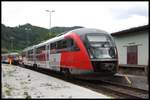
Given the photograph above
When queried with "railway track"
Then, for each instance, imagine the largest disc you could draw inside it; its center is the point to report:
(108, 88)
(122, 91)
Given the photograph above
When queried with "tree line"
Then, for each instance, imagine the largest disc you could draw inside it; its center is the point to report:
(15, 39)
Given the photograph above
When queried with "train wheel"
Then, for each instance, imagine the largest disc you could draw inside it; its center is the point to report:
(66, 72)
(35, 66)
(22, 64)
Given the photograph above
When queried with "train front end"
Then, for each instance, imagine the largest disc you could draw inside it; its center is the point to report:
(102, 51)
(103, 54)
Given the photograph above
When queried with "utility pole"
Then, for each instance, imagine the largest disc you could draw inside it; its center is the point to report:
(11, 39)
(27, 35)
(50, 12)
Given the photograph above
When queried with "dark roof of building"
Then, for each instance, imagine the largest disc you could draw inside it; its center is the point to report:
(131, 30)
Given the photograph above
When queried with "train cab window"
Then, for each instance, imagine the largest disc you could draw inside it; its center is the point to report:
(96, 38)
(99, 40)
(101, 46)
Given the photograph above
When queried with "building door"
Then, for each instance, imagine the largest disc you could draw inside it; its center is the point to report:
(132, 55)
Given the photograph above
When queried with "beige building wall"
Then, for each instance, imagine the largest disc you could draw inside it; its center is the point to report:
(140, 39)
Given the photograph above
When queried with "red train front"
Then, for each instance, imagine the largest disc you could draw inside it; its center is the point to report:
(80, 51)
(93, 51)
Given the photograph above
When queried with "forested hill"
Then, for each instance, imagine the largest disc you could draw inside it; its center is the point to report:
(20, 37)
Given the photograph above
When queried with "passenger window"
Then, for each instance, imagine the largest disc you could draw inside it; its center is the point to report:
(63, 46)
(58, 44)
(75, 47)
(53, 45)
(40, 49)
(72, 45)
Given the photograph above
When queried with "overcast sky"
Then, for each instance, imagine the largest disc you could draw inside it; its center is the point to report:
(108, 16)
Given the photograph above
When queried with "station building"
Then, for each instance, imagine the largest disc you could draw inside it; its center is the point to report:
(133, 46)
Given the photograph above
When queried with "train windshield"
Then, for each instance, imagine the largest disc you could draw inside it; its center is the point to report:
(101, 46)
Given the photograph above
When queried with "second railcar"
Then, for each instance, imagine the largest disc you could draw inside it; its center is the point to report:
(12, 58)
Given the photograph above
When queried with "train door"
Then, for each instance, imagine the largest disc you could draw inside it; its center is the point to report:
(34, 60)
(47, 56)
(67, 56)
(70, 54)
(54, 57)
(34, 55)
(26, 58)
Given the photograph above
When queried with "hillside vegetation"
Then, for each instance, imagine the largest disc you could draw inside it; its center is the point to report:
(22, 36)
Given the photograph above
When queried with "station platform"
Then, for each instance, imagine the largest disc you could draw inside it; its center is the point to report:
(18, 82)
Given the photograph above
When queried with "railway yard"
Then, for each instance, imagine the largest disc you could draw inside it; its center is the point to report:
(96, 50)
(27, 82)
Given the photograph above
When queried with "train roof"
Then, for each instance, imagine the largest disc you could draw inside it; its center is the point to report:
(79, 31)
(31, 47)
(12, 53)
(82, 31)
(41, 44)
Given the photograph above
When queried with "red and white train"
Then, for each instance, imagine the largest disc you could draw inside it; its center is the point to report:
(80, 51)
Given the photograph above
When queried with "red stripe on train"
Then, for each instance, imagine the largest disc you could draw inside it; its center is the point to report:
(76, 59)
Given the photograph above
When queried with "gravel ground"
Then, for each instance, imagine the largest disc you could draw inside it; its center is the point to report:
(18, 82)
